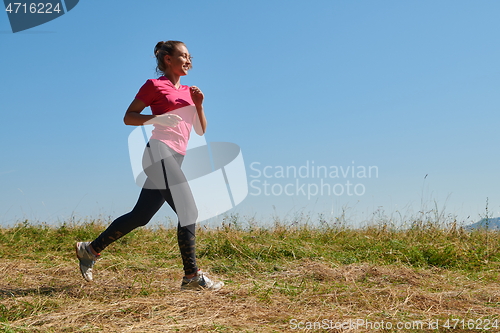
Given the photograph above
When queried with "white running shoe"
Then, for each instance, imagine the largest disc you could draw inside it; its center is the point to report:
(201, 282)
(87, 259)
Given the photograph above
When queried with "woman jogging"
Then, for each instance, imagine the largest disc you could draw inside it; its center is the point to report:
(175, 110)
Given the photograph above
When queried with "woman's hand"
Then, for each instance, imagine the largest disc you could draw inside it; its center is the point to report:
(196, 95)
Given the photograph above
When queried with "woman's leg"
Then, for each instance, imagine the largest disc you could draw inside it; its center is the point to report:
(147, 205)
(149, 202)
(187, 241)
(166, 174)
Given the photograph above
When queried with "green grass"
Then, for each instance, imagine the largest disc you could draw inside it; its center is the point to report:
(272, 274)
(233, 249)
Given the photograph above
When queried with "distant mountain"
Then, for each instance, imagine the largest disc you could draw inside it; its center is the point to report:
(490, 224)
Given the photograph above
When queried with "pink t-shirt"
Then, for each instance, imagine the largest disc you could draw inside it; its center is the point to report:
(162, 96)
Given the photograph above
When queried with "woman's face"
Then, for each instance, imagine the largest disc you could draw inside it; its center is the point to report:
(180, 61)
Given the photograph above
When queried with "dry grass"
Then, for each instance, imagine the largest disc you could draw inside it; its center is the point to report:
(140, 293)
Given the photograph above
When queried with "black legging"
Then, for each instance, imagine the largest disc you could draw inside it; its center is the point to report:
(165, 182)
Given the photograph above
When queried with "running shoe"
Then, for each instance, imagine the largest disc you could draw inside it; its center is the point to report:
(87, 259)
(201, 282)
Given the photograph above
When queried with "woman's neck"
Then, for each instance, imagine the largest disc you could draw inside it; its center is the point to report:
(175, 79)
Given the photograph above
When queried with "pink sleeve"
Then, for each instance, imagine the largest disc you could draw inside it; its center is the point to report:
(147, 93)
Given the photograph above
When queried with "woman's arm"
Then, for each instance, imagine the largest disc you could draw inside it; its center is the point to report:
(134, 117)
(133, 114)
(200, 122)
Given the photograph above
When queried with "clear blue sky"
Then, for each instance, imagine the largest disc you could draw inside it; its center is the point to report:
(411, 87)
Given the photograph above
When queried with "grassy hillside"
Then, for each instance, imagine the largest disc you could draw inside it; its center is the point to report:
(278, 279)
